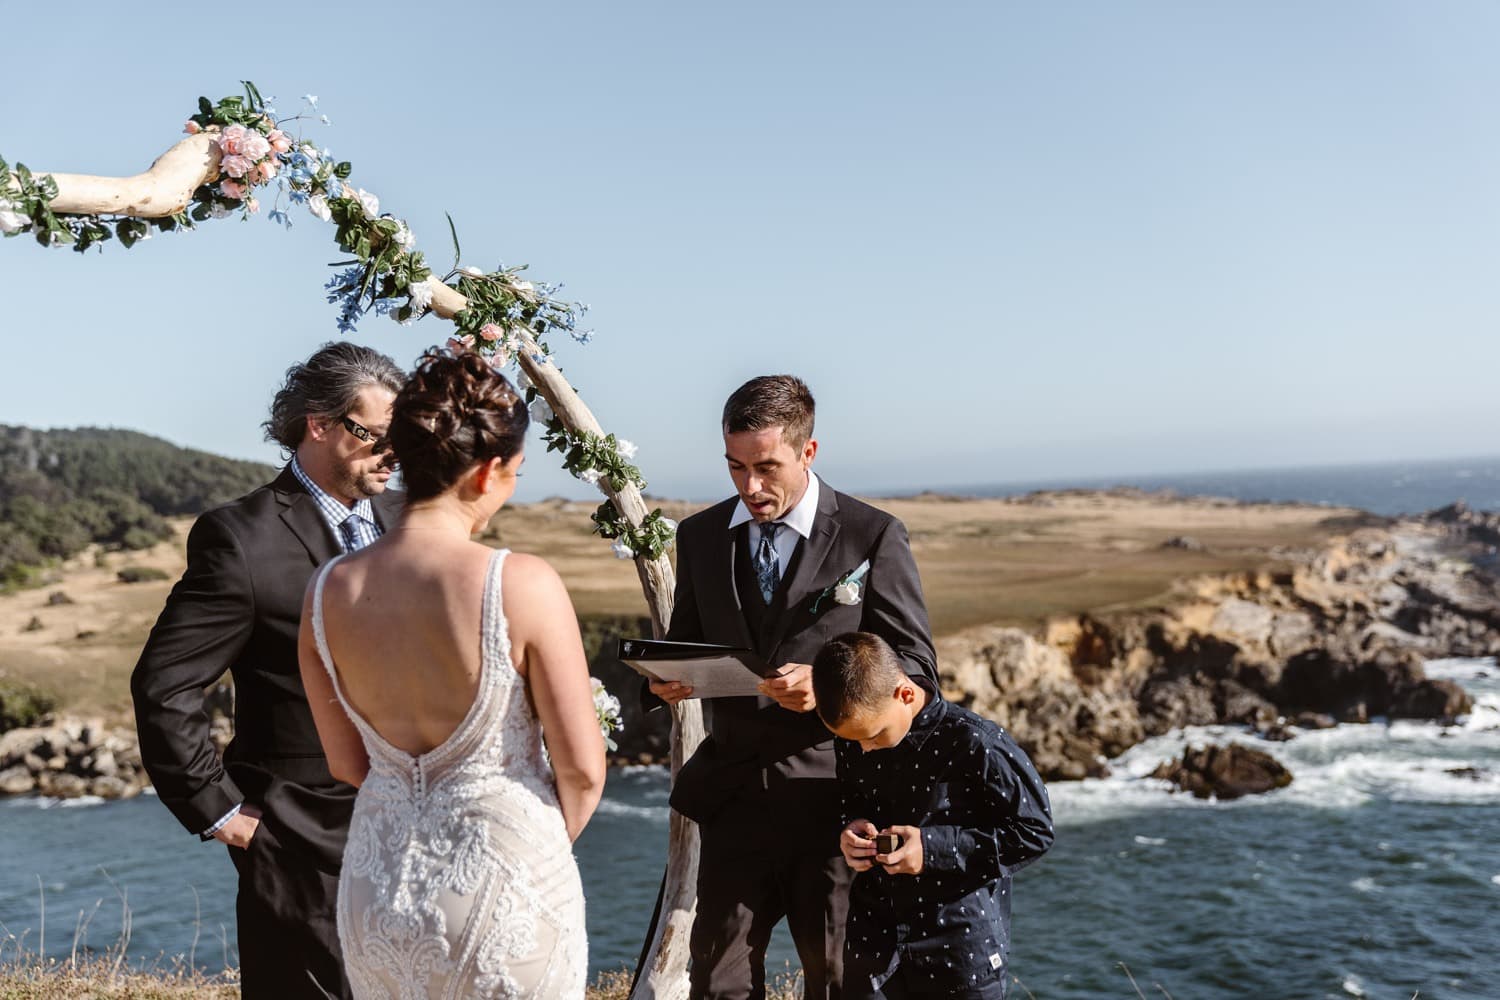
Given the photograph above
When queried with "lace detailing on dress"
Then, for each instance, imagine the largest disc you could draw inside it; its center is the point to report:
(458, 878)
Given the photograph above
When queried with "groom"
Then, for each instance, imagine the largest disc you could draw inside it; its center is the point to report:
(782, 567)
(237, 608)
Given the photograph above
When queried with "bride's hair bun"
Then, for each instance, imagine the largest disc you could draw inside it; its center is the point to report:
(453, 413)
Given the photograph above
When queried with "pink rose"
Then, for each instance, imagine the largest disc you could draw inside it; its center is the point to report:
(236, 165)
(279, 141)
(491, 332)
(499, 359)
(267, 169)
(255, 146)
(232, 189)
(232, 139)
(252, 205)
(192, 128)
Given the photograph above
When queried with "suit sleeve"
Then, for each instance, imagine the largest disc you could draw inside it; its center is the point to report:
(207, 620)
(686, 625)
(893, 605)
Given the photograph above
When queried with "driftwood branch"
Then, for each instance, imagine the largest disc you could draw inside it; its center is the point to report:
(166, 189)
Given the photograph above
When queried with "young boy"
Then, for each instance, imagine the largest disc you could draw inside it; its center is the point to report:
(930, 916)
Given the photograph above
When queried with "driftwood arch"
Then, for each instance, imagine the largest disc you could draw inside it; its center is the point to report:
(165, 190)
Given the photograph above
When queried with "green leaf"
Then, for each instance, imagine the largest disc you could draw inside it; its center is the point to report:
(343, 170)
(204, 106)
(452, 231)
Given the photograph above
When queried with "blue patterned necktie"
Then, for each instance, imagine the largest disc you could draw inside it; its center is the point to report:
(349, 528)
(767, 563)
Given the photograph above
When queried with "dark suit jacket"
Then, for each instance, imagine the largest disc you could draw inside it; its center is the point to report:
(753, 742)
(237, 608)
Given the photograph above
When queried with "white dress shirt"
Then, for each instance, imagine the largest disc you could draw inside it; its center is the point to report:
(800, 519)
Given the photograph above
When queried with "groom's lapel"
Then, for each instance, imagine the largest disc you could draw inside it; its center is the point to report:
(301, 515)
(729, 593)
(815, 549)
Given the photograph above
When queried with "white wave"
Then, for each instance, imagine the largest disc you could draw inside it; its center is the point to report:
(1150, 841)
(1353, 986)
(1339, 768)
(43, 802)
(1495, 879)
(611, 807)
(1365, 885)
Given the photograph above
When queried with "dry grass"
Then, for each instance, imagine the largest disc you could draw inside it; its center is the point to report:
(982, 561)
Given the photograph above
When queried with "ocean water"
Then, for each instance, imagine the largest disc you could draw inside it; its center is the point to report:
(1376, 873)
(1387, 488)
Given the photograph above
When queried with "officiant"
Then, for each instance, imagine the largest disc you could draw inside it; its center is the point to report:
(781, 567)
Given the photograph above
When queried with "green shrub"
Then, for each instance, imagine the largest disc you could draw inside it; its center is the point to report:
(22, 704)
(141, 574)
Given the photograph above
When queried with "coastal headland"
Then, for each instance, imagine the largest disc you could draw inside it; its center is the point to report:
(1085, 621)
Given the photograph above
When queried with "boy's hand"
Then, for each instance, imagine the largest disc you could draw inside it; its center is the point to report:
(792, 688)
(858, 848)
(906, 859)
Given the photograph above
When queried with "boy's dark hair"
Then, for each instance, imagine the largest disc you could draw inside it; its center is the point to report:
(772, 401)
(853, 672)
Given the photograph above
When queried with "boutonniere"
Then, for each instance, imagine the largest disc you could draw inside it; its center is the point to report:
(848, 591)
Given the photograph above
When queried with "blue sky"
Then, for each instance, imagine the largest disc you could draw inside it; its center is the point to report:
(1001, 241)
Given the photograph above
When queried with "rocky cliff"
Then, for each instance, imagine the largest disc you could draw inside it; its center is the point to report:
(1336, 634)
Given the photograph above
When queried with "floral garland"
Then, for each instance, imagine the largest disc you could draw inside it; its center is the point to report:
(386, 274)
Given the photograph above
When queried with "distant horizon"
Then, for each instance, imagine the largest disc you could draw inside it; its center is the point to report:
(981, 489)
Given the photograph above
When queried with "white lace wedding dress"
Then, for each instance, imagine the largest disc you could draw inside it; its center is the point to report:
(459, 878)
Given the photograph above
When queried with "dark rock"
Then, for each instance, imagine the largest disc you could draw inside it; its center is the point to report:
(58, 598)
(1185, 542)
(1432, 699)
(61, 786)
(1472, 773)
(1278, 732)
(1239, 705)
(1314, 720)
(34, 625)
(1225, 772)
(1172, 703)
(111, 788)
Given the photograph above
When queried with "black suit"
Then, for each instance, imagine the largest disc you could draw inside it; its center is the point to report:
(237, 608)
(762, 785)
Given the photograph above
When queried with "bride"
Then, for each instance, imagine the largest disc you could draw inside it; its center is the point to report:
(434, 666)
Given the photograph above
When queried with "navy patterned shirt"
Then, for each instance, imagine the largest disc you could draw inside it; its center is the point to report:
(983, 813)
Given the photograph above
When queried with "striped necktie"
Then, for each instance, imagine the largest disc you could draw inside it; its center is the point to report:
(767, 562)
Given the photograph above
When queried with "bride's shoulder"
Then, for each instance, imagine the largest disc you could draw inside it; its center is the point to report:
(522, 568)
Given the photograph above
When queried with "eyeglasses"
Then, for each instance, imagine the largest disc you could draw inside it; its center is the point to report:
(359, 430)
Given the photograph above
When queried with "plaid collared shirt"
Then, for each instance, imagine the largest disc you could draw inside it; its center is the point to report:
(335, 513)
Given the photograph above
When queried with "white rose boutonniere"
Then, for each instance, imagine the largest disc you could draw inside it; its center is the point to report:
(848, 591)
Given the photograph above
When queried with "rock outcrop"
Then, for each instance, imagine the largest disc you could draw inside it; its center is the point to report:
(1333, 635)
(1225, 772)
(69, 758)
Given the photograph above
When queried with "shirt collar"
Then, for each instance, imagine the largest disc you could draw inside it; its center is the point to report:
(800, 518)
(931, 715)
(333, 510)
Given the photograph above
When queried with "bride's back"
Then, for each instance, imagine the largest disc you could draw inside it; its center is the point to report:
(403, 624)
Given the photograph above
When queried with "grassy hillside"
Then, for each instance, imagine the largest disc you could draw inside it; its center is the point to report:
(63, 490)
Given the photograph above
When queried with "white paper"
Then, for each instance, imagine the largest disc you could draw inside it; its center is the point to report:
(709, 676)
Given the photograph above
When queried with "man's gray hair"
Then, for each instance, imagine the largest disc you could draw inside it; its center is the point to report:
(327, 385)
